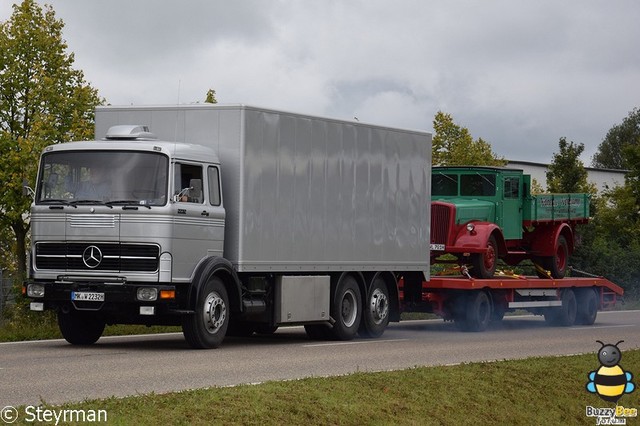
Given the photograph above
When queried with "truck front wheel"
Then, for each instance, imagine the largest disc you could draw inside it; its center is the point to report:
(80, 328)
(206, 328)
(346, 309)
(484, 264)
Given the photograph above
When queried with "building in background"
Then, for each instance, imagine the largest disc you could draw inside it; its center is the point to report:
(603, 178)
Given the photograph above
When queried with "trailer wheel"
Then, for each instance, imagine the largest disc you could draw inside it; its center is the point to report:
(564, 315)
(477, 314)
(206, 328)
(557, 264)
(587, 306)
(346, 309)
(484, 265)
(80, 328)
(375, 317)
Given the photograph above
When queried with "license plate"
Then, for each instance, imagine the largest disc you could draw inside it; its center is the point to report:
(85, 296)
(437, 247)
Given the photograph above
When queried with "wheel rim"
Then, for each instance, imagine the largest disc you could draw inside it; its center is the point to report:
(215, 312)
(490, 257)
(379, 306)
(349, 308)
(561, 258)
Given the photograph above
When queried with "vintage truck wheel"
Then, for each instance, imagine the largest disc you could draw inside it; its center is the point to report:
(557, 264)
(587, 301)
(346, 309)
(80, 328)
(206, 328)
(484, 265)
(564, 315)
(375, 317)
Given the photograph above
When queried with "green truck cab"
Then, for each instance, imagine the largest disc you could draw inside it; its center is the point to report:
(482, 214)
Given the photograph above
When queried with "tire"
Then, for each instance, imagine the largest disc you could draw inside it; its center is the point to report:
(484, 264)
(587, 300)
(80, 328)
(375, 316)
(206, 328)
(557, 264)
(346, 309)
(564, 315)
(478, 312)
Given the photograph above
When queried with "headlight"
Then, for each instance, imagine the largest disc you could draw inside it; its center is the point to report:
(35, 290)
(147, 294)
(470, 227)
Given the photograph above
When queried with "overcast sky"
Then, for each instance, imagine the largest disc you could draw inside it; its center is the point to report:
(519, 74)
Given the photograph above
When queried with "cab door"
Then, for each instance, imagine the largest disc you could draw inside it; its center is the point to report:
(512, 206)
(198, 229)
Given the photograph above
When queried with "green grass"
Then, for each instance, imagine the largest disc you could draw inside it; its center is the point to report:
(522, 392)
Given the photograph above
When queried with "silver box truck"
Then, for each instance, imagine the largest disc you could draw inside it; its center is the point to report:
(230, 220)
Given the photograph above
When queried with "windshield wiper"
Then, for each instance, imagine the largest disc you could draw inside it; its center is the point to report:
(487, 180)
(57, 201)
(448, 177)
(127, 203)
(75, 202)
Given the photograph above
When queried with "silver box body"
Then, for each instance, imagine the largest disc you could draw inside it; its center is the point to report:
(304, 193)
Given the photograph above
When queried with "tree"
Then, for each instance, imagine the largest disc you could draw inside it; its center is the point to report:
(453, 145)
(43, 100)
(566, 173)
(211, 97)
(610, 153)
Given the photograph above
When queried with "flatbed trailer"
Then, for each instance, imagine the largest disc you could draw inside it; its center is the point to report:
(474, 303)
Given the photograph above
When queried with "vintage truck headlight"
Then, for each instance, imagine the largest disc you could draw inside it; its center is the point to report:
(147, 294)
(35, 290)
(470, 227)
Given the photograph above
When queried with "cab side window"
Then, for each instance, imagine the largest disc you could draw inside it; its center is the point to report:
(188, 183)
(214, 185)
(511, 187)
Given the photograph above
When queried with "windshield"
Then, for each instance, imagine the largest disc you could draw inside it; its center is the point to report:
(444, 184)
(103, 177)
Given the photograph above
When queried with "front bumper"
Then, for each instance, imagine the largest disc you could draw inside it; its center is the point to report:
(117, 303)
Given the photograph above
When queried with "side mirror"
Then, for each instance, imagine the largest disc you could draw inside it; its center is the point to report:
(27, 191)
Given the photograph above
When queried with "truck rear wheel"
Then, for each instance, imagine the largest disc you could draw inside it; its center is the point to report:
(346, 309)
(206, 328)
(375, 317)
(564, 315)
(587, 300)
(557, 264)
(80, 328)
(484, 264)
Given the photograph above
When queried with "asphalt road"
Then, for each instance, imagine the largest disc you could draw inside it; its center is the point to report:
(56, 372)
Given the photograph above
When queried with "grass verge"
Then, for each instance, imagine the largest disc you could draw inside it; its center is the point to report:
(520, 392)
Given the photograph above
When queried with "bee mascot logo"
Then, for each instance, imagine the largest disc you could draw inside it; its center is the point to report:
(610, 381)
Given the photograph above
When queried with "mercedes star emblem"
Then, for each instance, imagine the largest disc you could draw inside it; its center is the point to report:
(92, 256)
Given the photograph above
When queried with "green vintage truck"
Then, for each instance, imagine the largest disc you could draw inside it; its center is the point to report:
(482, 214)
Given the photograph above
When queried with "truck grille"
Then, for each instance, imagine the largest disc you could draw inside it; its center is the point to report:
(113, 257)
(440, 222)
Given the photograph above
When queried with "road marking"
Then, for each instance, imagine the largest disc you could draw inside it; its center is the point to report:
(359, 342)
(591, 327)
